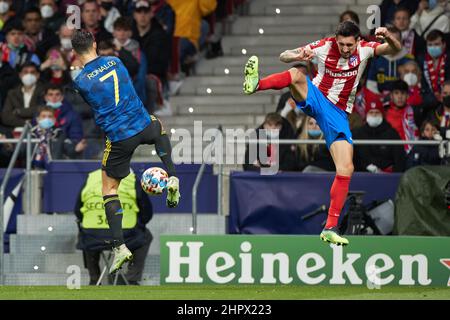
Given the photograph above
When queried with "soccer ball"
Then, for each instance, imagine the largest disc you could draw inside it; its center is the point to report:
(154, 180)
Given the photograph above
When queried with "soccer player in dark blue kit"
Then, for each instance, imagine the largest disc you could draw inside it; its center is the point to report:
(106, 86)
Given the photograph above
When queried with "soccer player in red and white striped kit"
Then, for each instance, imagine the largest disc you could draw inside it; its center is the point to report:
(328, 98)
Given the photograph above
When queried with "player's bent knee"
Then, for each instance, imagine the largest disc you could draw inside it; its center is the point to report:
(297, 76)
(345, 169)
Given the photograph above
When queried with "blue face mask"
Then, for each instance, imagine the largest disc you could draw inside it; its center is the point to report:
(46, 123)
(434, 51)
(54, 105)
(432, 4)
(314, 133)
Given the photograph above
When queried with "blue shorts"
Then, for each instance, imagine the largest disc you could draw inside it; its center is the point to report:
(332, 121)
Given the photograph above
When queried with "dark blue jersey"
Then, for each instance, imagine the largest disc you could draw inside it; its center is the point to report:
(106, 86)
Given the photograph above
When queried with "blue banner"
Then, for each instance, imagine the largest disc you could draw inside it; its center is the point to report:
(275, 204)
(65, 179)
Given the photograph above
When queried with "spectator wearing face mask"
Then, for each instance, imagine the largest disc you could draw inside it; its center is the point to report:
(66, 118)
(363, 98)
(49, 137)
(276, 126)
(53, 19)
(312, 157)
(421, 155)
(411, 41)
(23, 101)
(65, 43)
(400, 115)
(435, 64)
(377, 158)
(53, 143)
(7, 14)
(411, 74)
(55, 69)
(430, 15)
(383, 69)
(109, 14)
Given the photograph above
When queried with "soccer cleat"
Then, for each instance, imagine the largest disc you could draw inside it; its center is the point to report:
(121, 255)
(251, 75)
(332, 236)
(173, 192)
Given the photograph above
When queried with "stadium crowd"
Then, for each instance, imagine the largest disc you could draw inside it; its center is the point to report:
(158, 41)
(406, 96)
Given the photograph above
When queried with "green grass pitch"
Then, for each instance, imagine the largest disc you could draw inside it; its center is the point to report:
(224, 292)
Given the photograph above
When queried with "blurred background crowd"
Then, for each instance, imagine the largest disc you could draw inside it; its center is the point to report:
(159, 42)
(405, 96)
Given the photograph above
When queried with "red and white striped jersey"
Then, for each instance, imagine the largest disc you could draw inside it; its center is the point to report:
(337, 78)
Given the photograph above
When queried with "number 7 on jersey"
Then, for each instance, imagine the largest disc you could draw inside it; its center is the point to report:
(113, 73)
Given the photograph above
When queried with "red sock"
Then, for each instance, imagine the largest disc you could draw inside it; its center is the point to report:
(338, 194)
(275, 81)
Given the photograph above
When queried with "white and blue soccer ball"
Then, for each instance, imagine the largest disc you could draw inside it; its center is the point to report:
(154, 181)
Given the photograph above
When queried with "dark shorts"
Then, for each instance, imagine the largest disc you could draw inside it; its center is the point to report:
(117, 155)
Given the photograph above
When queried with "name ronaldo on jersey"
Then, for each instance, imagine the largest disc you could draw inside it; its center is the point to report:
(100, 69)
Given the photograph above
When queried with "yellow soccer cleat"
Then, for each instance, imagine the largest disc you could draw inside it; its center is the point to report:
(173, 192)
(251, 75)
(332, 236)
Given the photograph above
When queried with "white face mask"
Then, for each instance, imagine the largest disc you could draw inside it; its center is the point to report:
(66, 43)
(29, 79)
(410, 78)
(374, 121)
(4, 7)
(47, 11)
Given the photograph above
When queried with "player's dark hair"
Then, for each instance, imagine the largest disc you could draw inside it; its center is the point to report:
(274, 117)
(82, 41)
(123, 23)
(348, 29)
(53, 86)
(33, 10)
(353, 15)
(399, 85)
(434, 35)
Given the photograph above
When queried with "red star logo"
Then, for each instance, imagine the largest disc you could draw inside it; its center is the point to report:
(446, 262)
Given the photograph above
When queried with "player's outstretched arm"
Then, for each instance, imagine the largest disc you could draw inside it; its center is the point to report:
(391, 46)
(299, 54)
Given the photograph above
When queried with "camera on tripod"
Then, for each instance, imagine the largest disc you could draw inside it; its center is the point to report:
(377, 218)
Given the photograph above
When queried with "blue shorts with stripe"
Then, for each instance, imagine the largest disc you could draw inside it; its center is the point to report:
(332, 121)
